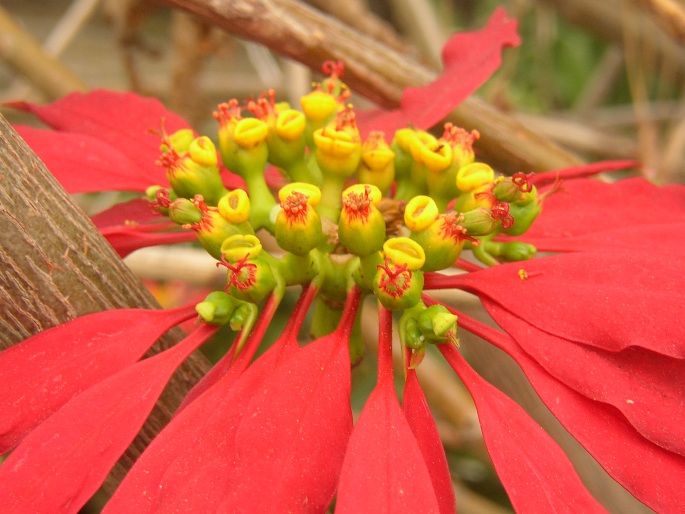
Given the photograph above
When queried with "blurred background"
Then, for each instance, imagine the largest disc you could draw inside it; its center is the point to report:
(602, 79)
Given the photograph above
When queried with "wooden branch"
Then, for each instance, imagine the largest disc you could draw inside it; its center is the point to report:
(55, 266)
(295, 30)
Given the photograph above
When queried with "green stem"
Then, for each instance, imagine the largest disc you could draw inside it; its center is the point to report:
(262, 201)
(331, 197)
(480, 253)
(303, 171)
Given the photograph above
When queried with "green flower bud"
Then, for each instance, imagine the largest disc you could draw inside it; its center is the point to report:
(412, 336)
(479, 222)
(185, 212)
(250, 277)
(217, 308)
(511, 251)
(524, 212)
(437, 324)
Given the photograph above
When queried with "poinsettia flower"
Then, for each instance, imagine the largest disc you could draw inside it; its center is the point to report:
(594, 329)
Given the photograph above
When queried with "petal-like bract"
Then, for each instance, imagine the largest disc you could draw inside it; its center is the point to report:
(535, 472)
(608, 300)
(469, 58)
(65, 360)
(60, 464)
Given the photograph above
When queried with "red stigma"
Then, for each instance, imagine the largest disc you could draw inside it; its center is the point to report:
(345, 118)
(199, 202)
(396, 279)
(170, 158)
(243, 273)
(523, 181)
(501, 212)
(334, 69)
(162, 201)
(451, 226)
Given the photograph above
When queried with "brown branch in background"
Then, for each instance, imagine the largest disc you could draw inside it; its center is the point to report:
(376, 71)
(21, 51)
(670, 15)
(55, 266)
(357, 13)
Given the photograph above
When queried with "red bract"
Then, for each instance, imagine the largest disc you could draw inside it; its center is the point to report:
(214, 460)
(133, 225)
(54, 469)
(534, 470)
(469, 58)
(607, 300)
(651, 473)
(61, 362)
(631, 214)
(422, 424)
(92, 129)
(384, 469)
(642, 385)
(292, 437)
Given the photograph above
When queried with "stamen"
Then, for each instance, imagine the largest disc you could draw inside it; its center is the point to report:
(356, 205)
(228, 111)
(295, 207)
